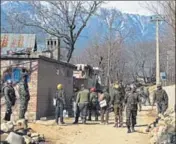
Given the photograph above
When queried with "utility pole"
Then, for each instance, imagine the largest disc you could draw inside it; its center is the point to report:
(157, 19)
(109, 53)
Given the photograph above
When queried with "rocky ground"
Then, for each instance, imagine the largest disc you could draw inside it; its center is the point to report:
(94, 133)
(165, 130)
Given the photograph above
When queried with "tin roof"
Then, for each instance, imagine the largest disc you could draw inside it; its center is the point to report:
(17, 42)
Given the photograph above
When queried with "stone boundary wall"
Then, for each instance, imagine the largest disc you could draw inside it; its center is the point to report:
(171, 94)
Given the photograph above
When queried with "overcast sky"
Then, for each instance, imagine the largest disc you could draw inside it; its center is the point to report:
(133, 7)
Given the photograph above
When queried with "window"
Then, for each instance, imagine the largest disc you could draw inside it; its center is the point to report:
(15, 74)
(7, 76)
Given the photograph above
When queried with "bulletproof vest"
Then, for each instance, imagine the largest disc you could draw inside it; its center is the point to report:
(60, 96)
(159, 95)
(11, 93)
(84, 96)
(122, 90)
(107, 97)
(23, 89)
(118, 97)
(132, 101)
(94, 97)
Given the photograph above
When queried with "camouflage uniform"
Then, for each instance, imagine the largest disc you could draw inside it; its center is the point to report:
(76, 108)
(60, 104)
(105, 110)
(24, 97)
(141, 98)
(122, 90)
(147, 98)
(93, 105)
(83, 98)
(131, 100)
(9, 94)
(161, 99)
(117, 102)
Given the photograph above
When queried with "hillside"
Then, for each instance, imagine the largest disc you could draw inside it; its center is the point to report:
(141, 27)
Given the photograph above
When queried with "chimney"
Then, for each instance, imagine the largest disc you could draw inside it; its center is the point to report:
(53, 45)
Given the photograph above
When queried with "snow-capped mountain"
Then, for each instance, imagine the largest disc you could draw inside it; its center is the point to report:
(140, 27)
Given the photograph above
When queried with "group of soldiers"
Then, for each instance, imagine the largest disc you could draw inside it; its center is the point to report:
(10, 97)
(87, 101)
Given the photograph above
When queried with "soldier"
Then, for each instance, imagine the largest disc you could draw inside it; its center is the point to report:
(24, 96)
(160, 97)
(127, 90)
(93, 105)
(141, 98)
(122, 90)
(117, 102)
(147, 98)
(75, 107)
(105, 110)
(10, 99)
(131, 101)
(60, 104)
(82, 101)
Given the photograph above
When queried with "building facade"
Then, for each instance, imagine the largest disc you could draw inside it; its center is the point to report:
(44, 75)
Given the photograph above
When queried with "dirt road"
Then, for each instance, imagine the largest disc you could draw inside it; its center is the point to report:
(94, 133)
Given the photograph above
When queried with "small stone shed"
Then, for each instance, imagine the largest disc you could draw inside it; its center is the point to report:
(45, 74)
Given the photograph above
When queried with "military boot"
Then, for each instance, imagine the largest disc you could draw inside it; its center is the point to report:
(116, 123)
(121, 125)
(76, 121)
(62, 121)
(129, 130)
(89, 118)
(132, 129)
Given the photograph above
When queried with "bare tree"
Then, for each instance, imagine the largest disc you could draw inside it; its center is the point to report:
(63, 19)
(110, 42)
(143, 59)
(114, 38)
(166, 9)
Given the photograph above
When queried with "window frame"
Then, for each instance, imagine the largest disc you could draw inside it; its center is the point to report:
(10, 72)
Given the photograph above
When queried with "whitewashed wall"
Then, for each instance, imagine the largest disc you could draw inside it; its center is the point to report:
(171, 94)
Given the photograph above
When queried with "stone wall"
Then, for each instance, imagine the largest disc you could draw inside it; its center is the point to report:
(171, 94)
(52, 73)
(28, 64)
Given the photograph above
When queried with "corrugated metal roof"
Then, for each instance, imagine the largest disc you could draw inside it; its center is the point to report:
(17, 42)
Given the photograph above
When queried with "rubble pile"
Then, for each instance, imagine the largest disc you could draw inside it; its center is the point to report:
(163, 131)
(19, 133)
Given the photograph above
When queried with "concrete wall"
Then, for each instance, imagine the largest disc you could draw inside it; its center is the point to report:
(50, 75)
(171, 94)
(28, 64)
